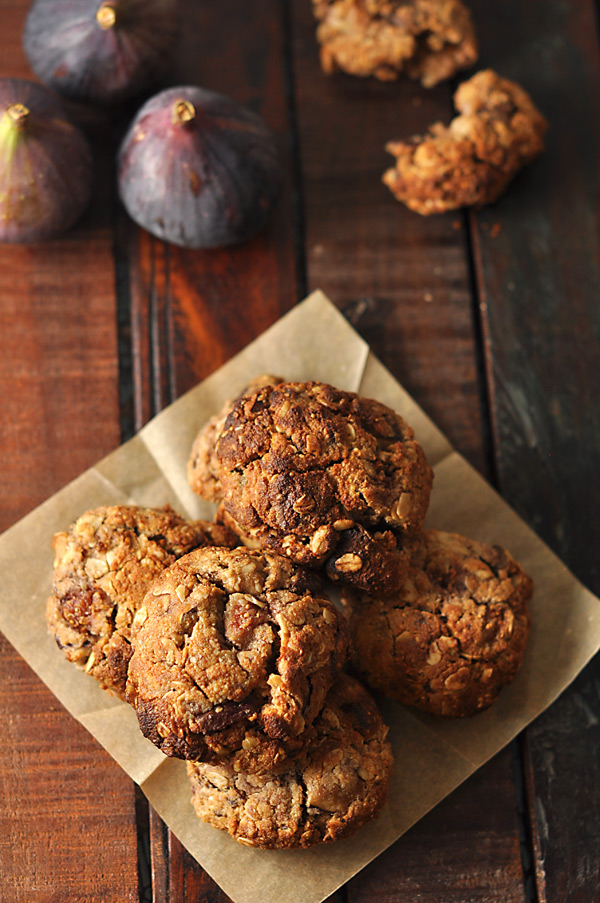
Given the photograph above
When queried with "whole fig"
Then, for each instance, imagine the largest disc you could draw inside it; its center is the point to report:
(45, 164)
(198, 170)
(100, 50)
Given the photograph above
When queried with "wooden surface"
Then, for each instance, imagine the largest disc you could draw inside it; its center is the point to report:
(491, 320)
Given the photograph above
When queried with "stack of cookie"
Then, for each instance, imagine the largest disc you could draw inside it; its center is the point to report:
(222, 636)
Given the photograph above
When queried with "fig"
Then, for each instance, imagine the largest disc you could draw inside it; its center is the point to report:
(198, 170)
(102, 52)
(45, 164)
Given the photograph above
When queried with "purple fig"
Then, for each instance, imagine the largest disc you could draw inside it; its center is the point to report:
(198, 170)
(100, 50)
(45, 164)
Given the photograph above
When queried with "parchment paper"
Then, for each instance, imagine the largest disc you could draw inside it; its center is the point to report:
(432, 755)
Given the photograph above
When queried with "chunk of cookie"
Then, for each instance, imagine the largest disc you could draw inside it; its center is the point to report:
(428, 40)
(203, 467)
(325, 477)
(455, 632)
(471, 161)
(103, 568)
(338, 783)
(234, 653)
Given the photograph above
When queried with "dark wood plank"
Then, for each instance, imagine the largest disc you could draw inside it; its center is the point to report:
(67, 822)
(539, 275)
(67, 830)
(402, 280)
(190, 311)
(435, 862)
(563, 782)
(405, 283)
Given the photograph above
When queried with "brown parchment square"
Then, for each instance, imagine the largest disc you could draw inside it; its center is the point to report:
(433, 756)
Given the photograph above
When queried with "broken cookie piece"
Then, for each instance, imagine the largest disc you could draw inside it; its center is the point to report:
(234, 652)
(103, 568)
(471, 161)
(337, 784)
(453, 635)
(429, 40)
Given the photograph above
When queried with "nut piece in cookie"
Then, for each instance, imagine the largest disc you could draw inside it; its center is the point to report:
(103, 568)
(453, 635)
(324, 477)
(337, 784)
(428, 40)
(234, 653)
(471, 161)
(203, 467)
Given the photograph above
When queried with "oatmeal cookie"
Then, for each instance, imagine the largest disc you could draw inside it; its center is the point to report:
(325, 477)
(233, 654)
(428, 40)
(453, 635)
(471, 161)
(329, 791)
(203, 467)
(103, 568)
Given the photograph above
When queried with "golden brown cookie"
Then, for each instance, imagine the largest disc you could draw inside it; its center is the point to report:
(428, 40)
(325, 477)
(103, 568)
(203, 467)
(234, 653)
(471, 161)
(455, 632)
(329, 791)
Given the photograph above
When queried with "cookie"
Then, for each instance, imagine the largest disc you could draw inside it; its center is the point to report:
(429, 40)
(455, 632)
(103, 568)
(234, 652)
(325, 477)
(335, 786)
(471, 161)
(203, 467)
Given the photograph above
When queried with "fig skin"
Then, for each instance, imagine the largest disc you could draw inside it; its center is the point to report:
(198, 170)
(46, 167)
(103, 51)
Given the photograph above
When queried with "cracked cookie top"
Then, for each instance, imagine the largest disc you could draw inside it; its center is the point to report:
(429, 40)
(103, 568)
(337, 784)
(203, 466)
(453, 635)
(471, 161)
(325, 477)
(234, 653)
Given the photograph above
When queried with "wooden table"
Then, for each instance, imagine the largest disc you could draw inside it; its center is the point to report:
(491, 320)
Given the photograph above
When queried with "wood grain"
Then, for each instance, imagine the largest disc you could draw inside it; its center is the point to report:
(67, 830)
(538, 265)
(67, 824)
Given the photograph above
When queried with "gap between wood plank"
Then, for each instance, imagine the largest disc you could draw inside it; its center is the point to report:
(295, 153)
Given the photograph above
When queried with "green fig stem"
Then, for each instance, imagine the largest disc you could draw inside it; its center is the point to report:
(13, 133)
(106, 16)
(183, 112)
(18, 115)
